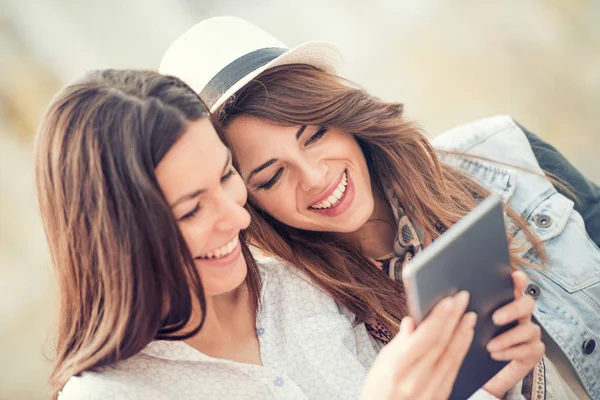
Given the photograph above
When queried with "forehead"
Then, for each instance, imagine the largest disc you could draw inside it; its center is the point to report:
(255, 140)
(194, 161)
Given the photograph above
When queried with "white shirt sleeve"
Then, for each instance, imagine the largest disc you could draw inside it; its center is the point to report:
(513, 394)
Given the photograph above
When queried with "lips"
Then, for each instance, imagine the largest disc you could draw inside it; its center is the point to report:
(333, 194)
(222, 251)
(343, 196)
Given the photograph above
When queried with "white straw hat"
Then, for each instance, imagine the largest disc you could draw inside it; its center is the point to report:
(219, 56)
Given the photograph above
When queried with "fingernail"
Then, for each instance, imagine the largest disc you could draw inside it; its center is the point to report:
(499, 317)
(463, 297)
(470, 320)
(493, 345)
(448, 303)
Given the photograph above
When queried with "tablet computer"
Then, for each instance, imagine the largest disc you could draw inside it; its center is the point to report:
(472, 255)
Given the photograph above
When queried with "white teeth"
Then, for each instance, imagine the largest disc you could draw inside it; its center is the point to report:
(222, 251)
(335, 197)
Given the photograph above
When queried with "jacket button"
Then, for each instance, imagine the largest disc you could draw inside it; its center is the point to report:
(589, 346)
(533, 290)
(543, 220)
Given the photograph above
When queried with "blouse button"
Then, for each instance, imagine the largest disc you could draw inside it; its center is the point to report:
(589, 346)
(278, 381)
(260, 331)
(533, 290)
(543, 221)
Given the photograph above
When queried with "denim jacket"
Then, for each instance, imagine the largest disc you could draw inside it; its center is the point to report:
(567, 289)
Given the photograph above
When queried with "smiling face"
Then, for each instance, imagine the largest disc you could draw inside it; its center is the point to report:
(207, 197)
(307, 177)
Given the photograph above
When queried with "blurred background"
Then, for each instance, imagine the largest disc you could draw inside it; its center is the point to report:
(449, 61)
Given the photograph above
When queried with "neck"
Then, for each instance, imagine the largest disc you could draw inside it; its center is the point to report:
(229, 327)
(376, 237)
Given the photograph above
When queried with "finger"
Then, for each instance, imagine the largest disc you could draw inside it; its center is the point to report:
(521, 333)
(519, 309)
(438, 343)
(519, 283)
(444, 318)
(435, 331)
(449, 364)
(407, 326)
(395, 353)
(409, 348)
(397, 346)
(523, 351)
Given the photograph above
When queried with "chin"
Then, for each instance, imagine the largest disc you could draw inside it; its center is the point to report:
(358, 218)
(218, 284)
(351, 225)
(222, 288)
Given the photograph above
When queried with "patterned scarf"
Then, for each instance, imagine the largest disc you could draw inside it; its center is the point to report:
(407, 243)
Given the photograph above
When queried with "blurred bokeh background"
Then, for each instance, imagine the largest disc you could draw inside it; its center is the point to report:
(449, 61)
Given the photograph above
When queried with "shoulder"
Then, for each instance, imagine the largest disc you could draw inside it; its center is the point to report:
(476, 133)
(131, 379)
(99, 386)
(497, 138)
(497, 153)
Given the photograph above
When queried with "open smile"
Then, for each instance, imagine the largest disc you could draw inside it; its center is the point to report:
(223, 251)
(333, 196)
(337, 199)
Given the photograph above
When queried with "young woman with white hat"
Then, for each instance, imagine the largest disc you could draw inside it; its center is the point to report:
(347, 190)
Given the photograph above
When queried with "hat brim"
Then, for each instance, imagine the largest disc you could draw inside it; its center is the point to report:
(322, 55)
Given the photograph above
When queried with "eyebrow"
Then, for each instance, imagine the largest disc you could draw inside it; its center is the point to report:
(260, 168)
(198, 192)
(272, 160)
(300, 132)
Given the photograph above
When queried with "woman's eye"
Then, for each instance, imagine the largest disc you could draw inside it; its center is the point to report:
(191, 214)
(317, 136)
(228, 175)
(269, 184)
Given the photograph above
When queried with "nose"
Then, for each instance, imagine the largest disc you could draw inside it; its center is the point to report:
(232, 216)
(312, 175)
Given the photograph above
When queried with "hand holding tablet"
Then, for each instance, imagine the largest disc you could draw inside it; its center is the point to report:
(473, 256)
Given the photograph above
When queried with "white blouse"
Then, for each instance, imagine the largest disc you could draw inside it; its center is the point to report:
(308, 346)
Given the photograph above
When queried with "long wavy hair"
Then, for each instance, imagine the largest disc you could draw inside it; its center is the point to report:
(399, 157)
(125, 274)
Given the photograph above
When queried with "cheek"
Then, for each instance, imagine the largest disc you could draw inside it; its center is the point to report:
(279, 204)
(195, 235)
(358, 157)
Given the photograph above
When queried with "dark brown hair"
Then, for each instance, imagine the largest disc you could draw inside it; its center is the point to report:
(398, 156)
(125, 274)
